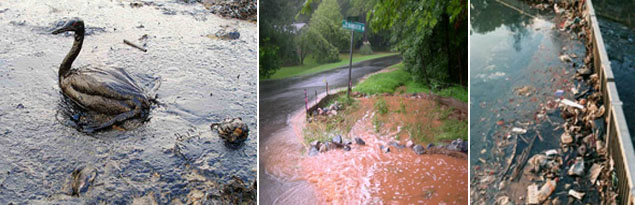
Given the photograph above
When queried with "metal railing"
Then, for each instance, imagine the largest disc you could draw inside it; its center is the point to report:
(618, 138)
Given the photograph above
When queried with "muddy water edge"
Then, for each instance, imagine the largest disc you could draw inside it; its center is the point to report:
(525, 138)
(367, 174)
(173, 157)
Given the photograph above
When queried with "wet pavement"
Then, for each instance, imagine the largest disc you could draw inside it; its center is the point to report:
(279, 99)
(173, 157)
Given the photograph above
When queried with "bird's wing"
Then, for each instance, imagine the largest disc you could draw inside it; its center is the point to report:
(114, 83)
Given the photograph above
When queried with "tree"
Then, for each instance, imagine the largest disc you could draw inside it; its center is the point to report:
(325, 29)
(422, 33)
(360, 8)
(275, 46)
(323, 51)
(303, 44)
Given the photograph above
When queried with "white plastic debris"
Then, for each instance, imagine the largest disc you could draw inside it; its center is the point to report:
(578, 168)
(571, 103)
(565, 58)
(551, 152)
(595, 172)
(532, 194)
(577, 195)
(519, 130)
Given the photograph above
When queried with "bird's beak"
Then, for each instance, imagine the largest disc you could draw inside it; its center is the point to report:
(61, 30)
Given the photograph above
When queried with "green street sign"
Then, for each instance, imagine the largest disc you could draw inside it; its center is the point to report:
(359, 27)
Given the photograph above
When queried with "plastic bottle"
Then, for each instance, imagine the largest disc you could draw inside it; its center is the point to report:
(547, 189)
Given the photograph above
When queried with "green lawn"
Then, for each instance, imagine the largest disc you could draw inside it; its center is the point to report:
(311, 66)
(388, 82)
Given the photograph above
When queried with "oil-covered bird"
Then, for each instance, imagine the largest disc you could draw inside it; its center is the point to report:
(110, 91)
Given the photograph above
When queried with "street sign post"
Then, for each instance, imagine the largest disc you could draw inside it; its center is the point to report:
(359, 27)
(353, 26)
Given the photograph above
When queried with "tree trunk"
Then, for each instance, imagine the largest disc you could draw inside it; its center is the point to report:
(423, 69)
(446, 18)
(302, 59)
(365, 27)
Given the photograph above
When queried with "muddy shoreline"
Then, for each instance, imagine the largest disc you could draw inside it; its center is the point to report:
(174, 157)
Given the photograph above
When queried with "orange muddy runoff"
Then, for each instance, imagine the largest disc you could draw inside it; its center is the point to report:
(366, 174)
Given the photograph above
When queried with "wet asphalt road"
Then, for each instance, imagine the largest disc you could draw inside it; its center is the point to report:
(280, 98)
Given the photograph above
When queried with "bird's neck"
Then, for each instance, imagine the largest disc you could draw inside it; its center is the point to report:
(65, 67)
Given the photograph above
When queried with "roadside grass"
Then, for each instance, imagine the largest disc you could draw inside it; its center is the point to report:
(449, 130)
(416, 87)
(311, 66)
(386, 82)
(389, 82)
(453, 129)
(456, 92)
(380, 106)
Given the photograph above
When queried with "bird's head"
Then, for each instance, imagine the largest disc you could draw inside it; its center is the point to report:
(75, 24)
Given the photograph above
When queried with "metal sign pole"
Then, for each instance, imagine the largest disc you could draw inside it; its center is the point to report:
(350, 66)
(306, 103)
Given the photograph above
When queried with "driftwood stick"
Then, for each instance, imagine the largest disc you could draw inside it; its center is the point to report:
(135, 45)
(539, 135)
(522, 159)
(511, 159)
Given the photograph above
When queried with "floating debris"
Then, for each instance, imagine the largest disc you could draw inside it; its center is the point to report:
(519, 130)
(524, 91)
(227, 34)
(135, 45)
(565, 58)
(576, 194)
(546, 190)
(566, 138)
(232, 130)
(578, 168)
(359, 141)
(595, 172)
(571, 103)
(81, 180)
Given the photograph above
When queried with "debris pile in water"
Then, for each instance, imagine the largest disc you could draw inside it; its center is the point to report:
(240, 9)
(232, 130)
(580, 170)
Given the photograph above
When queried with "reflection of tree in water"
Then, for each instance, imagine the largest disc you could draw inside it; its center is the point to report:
(487, 15)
